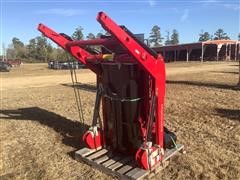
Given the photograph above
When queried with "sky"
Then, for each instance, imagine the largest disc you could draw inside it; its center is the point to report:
(19, 18)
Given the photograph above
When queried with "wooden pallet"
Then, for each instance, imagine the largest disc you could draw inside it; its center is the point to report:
(121, 166)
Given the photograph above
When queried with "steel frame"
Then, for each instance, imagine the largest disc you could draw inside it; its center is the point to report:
(153, 65)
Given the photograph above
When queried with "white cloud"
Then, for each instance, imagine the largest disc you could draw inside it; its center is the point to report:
(210, 1)
(62, 12)
(232, 5)
(185, 15)
(152, 3)
(235, 7)
(133, 11)
(175, 10)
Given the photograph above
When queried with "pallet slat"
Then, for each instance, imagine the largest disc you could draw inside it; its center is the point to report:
(119, 166)
(104, 158)
(141, 173)
(132, 172)
(120, 163)
(85, 151)
(97, 154)
(170, 152)
(111, 161)
(124, 169)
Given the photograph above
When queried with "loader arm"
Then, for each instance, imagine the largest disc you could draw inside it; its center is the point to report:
(77, 52)
(145, 56)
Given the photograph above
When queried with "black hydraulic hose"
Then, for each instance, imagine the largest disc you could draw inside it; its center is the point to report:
(151, 117)
(96, 115)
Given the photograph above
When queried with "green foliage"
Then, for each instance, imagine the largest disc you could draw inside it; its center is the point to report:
(155, 38)
(103, 32)
(220, 34)
(10, 52)
(32, 52)
(17, 49)
(107, 33)
(78, 34)
(168, 41)
(91, 36)
(175, 37)
(99, 34)
(204, 36)
(17, 43)
(39, 49)
(49, 49)
(239, 36)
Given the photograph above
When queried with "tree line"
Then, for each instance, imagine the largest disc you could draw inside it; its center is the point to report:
(40, 50)
(156, 39)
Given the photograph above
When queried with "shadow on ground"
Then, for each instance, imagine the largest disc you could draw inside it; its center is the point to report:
(82, 86)
(204, 84)
(70, 130)
(232, 114)
(224, 72)
(234, 65)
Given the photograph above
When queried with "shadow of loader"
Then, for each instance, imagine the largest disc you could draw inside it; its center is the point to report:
(71, 131)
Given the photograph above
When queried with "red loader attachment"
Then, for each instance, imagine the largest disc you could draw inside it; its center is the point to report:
(131, 140)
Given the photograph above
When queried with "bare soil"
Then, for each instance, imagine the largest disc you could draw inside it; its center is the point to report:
(40, 128)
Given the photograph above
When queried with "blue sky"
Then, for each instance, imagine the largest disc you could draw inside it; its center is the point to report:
(19, 18)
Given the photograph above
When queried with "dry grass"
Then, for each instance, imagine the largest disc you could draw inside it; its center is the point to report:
(40, 130)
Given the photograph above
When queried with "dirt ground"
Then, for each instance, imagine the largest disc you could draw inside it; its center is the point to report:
(40, 128)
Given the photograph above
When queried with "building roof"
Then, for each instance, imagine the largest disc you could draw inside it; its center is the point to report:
(195, 45)
(221, 42)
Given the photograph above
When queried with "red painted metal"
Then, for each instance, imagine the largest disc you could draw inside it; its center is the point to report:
(83, 43)
(77, 52)
(92, 140)
(154, 66)
(126, 48)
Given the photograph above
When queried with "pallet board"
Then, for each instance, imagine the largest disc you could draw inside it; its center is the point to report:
(120, 166)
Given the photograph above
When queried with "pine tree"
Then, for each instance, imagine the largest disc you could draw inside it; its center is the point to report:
(168, 41)
(41, 48)
(175, 37)
(155, 36)
(220, 34)
(17, 43)
(91, 36)
(99, 34)
(78, 34)
(18, 48)
(204, 36)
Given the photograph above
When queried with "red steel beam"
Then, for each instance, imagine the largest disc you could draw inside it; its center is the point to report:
(83, 43)
(79, 53)
(154, 66)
